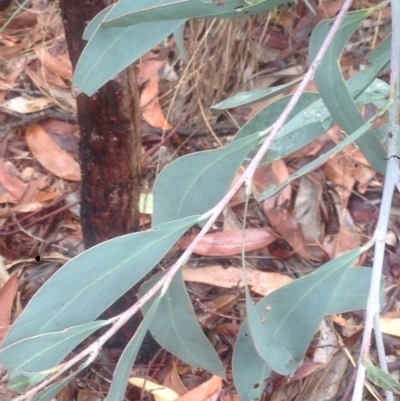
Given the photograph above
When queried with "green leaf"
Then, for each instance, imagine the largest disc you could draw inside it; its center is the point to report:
(274, 189)
(51, 391)
(308, 121)
(268, 348)
(95, 23)
(249, 370)
(87, 285)
(349, 297)
(128, 357)
(334, 91)
(252, 97)
(179, 38)
(250, 377)
(47, 350)
(382, 379)
(295, 316)
(21, 381)
(382, 50)
(110, 51)
(126, 12)
(194, 184)
(176, 328)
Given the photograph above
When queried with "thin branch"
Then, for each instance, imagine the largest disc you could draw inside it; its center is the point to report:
(391, 180)
(213, 214)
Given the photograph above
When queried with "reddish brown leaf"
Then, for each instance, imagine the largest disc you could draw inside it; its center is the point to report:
(50, 155)
(173, 381)
(151, 109)
(13, 184)
(148, 69)
(229, 277)
(204, 391)
(227, 243)
(7, 295)
(62, 68)
(306, 369)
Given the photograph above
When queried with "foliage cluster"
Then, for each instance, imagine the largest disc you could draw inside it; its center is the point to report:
(278, 330)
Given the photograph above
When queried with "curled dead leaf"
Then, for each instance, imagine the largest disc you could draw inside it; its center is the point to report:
(50, 155)
(261, 282)
(227, 243)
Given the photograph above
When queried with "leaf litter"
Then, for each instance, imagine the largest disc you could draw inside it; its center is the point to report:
(39, 171)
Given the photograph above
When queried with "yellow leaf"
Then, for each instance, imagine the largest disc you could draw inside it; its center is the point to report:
(160, 392)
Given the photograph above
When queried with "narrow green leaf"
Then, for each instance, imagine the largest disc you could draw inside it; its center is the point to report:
(128, 357)
(272, 190)
(382, 379)
(21, 381)
(195, 183)
(179, 38)
(47, 350)
(127, 12)
(110, 51)
(334, 91)
(382, 50)
(249, 370)
(252, 97)
(176, 328)
(95, 23)
(249, 377)
(293, 313)
(87, 285)
(308, 121)
(51, 391)
(275, 355)
(349, 297)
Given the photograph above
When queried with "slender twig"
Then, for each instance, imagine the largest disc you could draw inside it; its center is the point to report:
(212, 215)
(391, 179)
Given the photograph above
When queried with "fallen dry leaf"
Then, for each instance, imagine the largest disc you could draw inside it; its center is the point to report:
(227, 243)
(173, 381)
(7, 295)
(23, 105)
(62, 67)
(62, 97)
(280, 217)
(158, 391)
(13, 184)
(203, 392)
(262, 283)
(390, 326)
(148, 69)
(151, 109)
(50, 155)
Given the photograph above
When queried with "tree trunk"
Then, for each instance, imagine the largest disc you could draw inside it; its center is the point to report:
(110, 141)
(110, 158)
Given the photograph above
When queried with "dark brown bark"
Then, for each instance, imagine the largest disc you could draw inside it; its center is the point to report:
(110, 157)
(110, 141)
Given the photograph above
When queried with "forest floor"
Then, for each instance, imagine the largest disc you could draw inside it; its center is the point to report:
(322, 215)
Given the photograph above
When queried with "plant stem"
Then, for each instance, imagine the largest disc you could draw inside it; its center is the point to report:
(391, 180)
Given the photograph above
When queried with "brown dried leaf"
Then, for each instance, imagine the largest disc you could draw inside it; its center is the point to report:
(7, 295)
(173, 381)
(203, 392)
(227, 243)
(13, 184)
(151, 109)
(390, 326)
(262, 283)
(148, 69)
(23, 105)
(62, 68)
(50, 155)
(62, 97)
